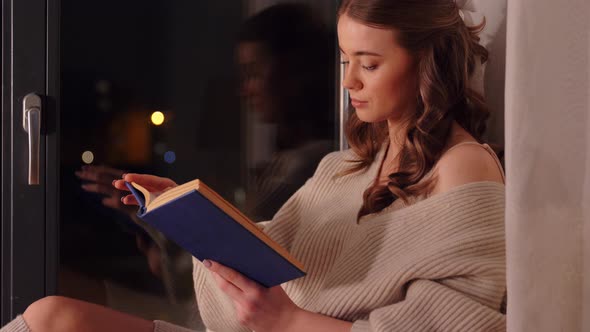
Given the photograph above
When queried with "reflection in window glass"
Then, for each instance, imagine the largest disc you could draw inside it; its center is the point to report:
(184, 90)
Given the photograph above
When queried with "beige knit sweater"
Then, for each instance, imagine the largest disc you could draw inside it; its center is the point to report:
(435, 265)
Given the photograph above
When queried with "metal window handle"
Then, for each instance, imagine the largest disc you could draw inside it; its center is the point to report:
(32, 125)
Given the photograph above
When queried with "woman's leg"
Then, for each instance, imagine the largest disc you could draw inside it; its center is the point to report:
(56, 313)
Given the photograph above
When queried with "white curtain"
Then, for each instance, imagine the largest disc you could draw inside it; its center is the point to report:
(548, 165)
(489, 79)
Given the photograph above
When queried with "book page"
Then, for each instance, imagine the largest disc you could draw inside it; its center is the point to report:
(165, 197)
(147, 196)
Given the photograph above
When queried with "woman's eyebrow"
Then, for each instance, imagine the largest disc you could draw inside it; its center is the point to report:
(360, 53)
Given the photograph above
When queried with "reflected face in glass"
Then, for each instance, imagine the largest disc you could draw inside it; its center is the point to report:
(380, 75)
(255, 68)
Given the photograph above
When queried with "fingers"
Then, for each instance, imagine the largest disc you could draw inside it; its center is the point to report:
(126, 199)
(232, 276)
(150, 182)
(228, 288)
(120, 184)
(129, 200)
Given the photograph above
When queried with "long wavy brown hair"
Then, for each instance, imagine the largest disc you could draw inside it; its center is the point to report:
(446, 51)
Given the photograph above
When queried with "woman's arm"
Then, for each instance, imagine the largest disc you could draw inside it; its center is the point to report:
(428, 306)
(269, 309)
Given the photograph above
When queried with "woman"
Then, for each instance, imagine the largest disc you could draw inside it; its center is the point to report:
(403, 232)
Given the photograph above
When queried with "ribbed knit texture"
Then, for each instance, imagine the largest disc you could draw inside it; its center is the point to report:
(435, 265)
(17, 325)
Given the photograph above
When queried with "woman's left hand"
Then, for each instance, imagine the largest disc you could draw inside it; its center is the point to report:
(258, 308)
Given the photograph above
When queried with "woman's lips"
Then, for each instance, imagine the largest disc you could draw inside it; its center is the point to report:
(358, 103)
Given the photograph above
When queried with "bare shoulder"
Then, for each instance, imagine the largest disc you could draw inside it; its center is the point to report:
(465, 164)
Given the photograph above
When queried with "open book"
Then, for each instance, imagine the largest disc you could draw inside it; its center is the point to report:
(203, 223)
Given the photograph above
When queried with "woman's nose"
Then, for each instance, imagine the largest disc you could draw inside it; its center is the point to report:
(350, 81)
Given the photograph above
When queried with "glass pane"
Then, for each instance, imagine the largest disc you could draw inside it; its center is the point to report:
(241, 94)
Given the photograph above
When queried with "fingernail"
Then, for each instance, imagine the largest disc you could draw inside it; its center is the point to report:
(113, 183)
(123, 176)
(207, 263)
(122, 199)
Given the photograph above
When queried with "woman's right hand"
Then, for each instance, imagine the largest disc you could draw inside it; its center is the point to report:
(152, 183)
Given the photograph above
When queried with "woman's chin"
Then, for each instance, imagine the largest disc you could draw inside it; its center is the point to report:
(365, 115)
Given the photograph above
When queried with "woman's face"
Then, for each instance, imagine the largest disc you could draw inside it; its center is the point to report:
(380, 75)
(255, 67)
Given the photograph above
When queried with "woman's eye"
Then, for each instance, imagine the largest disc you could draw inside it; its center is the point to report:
(344, 62)
(370, 68)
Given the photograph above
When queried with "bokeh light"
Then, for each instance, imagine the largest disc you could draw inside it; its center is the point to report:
(170, 157)
(157, 118)
(88, 157)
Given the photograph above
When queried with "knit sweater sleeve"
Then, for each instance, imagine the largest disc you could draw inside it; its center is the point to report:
(433, 306)
(17, 325)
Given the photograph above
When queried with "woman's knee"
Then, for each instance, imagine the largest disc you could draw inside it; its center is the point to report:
(52, 313)
(57, 313)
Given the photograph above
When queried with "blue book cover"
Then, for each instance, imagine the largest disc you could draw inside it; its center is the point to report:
(200, 221)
